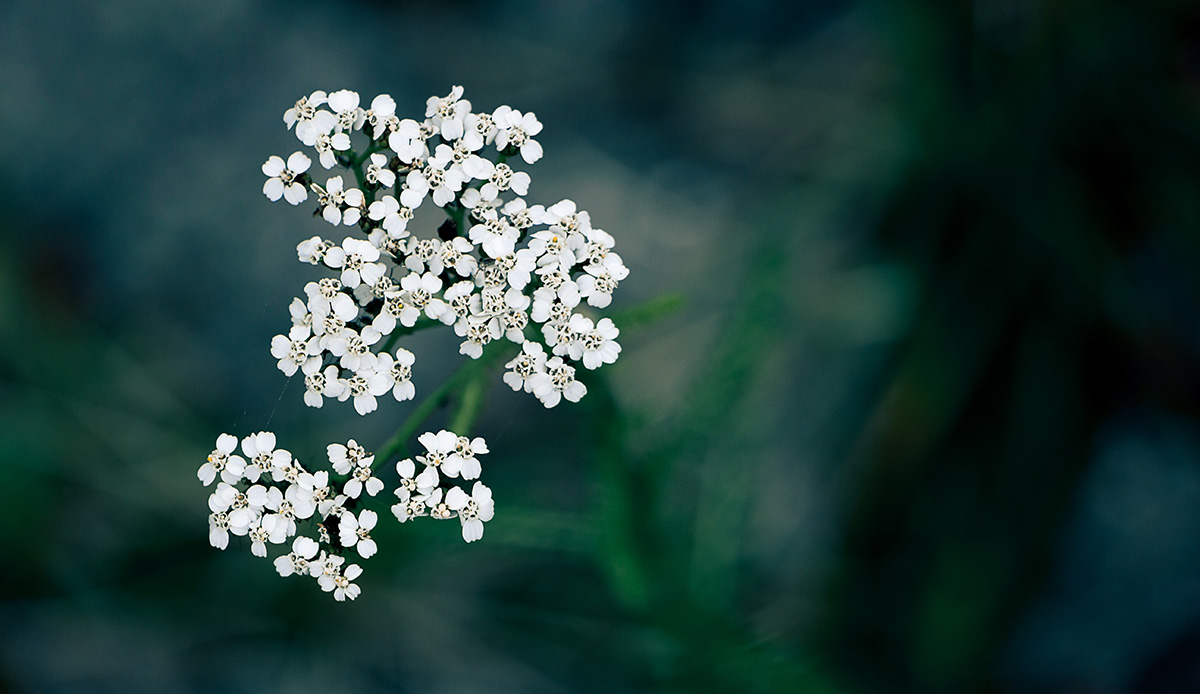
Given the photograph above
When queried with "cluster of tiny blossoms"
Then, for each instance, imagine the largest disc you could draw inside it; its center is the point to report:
(497, 269)
(266, 495)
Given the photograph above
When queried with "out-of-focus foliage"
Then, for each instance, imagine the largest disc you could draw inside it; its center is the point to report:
(908, 394)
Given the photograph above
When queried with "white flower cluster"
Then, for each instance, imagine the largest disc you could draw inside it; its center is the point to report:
(497, 269)
(265, 493)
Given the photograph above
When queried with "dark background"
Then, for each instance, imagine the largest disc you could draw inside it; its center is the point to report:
(924, 420)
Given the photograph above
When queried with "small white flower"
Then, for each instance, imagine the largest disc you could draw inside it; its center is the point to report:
(338, 205)
(345, 107)
(503, 178)
(364, 388)
(394, 216)
(281, 178)
(343, 457)
(303, 550)
(222, 461)
(422, 290)
(517, 130)
(378, 171)
(399, 370)
(438, 177)
(262, 455)
(495, 234)
(448, 112)
(343, 588)
(595, 344)
(382, 116)
(472, 510)
(530, 361)
(292, 353)
(407, 140)
(440, 451)
(355, 533)
(601, 280)
(312, 251)
(319, 384)
(304, 109)
(363, 479)
(218, 530)
(357, 260)
(467, 450)
(556, 383)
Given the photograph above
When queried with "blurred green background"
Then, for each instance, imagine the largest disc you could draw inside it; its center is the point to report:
(925, 419)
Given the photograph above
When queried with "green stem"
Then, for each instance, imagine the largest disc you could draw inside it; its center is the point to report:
(398, 442)
(471, 402)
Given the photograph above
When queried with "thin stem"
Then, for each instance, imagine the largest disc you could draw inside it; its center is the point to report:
(471, 402)
(398, 442)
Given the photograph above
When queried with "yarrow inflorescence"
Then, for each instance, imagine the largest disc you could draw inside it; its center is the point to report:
(497, 270)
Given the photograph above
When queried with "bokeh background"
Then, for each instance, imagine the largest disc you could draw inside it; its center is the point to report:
(910, 387)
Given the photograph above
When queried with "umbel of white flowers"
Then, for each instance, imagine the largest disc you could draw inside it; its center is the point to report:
(497, 270)
(267, 495)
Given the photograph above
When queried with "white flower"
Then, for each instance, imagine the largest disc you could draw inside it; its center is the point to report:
(529, 361)
(596, 344)
(378, 172)
(339, 206)
(467, 449)
(327, 142)
(395, 217)
(438, 176)
(479, 331)
(343, 588)
(408, 141)
(440, 451)
(355, 533)
(364, 388)
(437, 507)
(356, 258)
(303, 549)
(310, 122)
(223, 461)
(343, 457)
(218, 530)
(362, 479)
(262, 455)
(558, 282)
(345, 107)
(400, 371)
(472, 510)
(331, 315)
(292, 353)
(415, 485)
(547, 307)
(448, 112)
(601, 280)
(419, 252)
(382, 115)
(501, 179)
(281, 178)
(455, 253)
(552, 249)
(410, 507)
(517, 130)
(556, 383)
(478, 130)
(312, 251)
(421, 293)
(495, 234)
(319, 384)
(304, 109)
